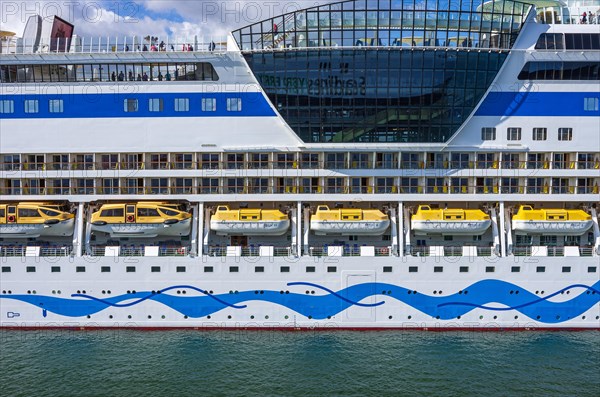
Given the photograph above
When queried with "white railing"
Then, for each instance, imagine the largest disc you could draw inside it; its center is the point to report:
(84, 45)
(35, 250)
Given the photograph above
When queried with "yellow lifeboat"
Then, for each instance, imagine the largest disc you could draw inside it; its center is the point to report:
(33, 220)
(349, 221)
(143, 220)
(249, 222)
(551, 221)
(450, 221)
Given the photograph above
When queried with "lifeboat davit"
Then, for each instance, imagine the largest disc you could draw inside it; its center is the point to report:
(551, 221)
(33, 220)
(249, 222)
(142, 220)
(349, 221)
(458, 222)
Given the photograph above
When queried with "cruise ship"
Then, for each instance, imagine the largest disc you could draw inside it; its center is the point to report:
(375, 164)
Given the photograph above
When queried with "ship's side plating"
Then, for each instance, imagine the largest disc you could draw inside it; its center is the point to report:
(225, 138)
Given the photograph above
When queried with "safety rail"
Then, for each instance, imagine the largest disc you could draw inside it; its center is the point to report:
(315, 189)
(138, 250)
(247, 251)
(35, 250)
(301, 165)
(103, 45)
(345, 251)
(450, 251)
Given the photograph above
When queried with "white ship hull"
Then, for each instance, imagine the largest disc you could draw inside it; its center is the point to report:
(145, 230)
(259, 228)
(19, 231)
(460, 228)
(564, 228)
(356, 295)
(349, 228)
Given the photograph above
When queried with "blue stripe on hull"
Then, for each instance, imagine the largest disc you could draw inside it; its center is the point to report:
(93, 105)
(489, 295)
(540, 104)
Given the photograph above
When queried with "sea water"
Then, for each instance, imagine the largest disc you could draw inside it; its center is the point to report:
(263, 363)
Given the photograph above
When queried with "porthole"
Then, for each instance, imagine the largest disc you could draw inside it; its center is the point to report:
(129, 316)
(437, 317)
(184, 292)
(163, 317)
(53, 292)
(538, 317)
(56, 291)
(389, 317)
(266, 317)
(481, 317)
(34, 292)
(516, 317)
(110, 316)
(495, 317)
(149, 317)
(328, 317)
(583, 317)
(310, 317)
(286, 317)
(185, 317)
(458, 317)
(312, 292)
(252, 317)
(108, 292)
(229, 317)
(88, 316)
(208, 317)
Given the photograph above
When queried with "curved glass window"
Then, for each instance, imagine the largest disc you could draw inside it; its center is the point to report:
(558, 70)
(381, 70)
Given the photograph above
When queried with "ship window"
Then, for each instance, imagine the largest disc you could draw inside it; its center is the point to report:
(331, 269)
(182, 104)
(490, 269)
(566, 269)
(310, 269)
(590, 104)
(147, 212)
(208, 269)
(209, 104)
(259, 269)
(130, 269)
(2, 213)
(515, 269)
(234, 104)
(155, 269)
(234, 269)
(387, 269)
(488, 133)
(565, 134)
(438, 269)
(540, 269)
(130, 105)
(169, 212)
(31, 106)
(5, 269)
(284, 269)
(28, 213)
(464, 269)
(7, 107)
(80, 269)
(105, 269)
(112, 212)
(180, 269)
(513, 134)
(592, 269)
(540, 134)
(413, 269)
(30, 269)
(550, 41)
(55, 105)
(48, 212)
(155, 104)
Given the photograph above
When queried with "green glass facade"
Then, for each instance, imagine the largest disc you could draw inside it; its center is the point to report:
(381, 70)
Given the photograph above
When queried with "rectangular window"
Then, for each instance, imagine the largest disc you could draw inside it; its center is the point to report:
(590, 104)
(130, 105)
(565, 134)
(513, 134)
(7, 106)
(209, 104)
(155, 104)
(540, 134)
(31, 106)
(488, 133)
(182, 105)
(234, 104)
(55, 105)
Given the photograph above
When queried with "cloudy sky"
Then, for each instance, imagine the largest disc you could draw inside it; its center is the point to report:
(174, 18)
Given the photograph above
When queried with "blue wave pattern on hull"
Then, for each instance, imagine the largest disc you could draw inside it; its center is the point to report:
(491, 295)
